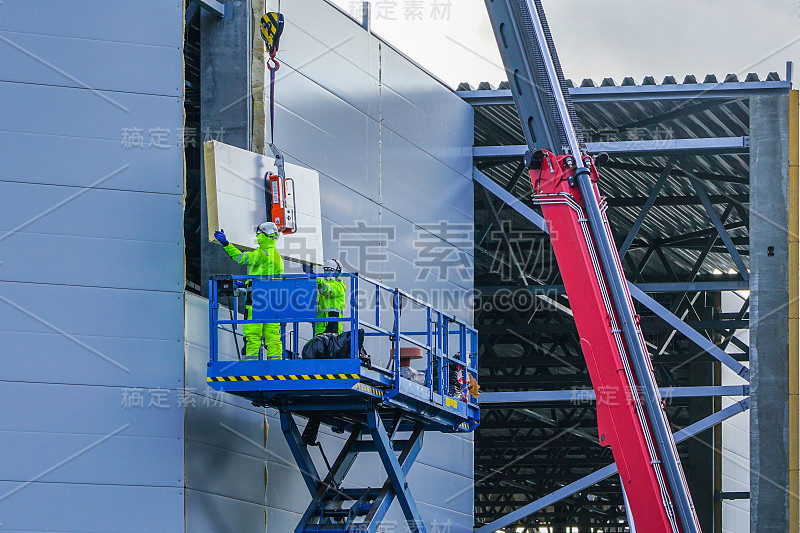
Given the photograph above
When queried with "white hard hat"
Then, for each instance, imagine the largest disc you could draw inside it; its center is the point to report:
(267, 228)
(332, 265)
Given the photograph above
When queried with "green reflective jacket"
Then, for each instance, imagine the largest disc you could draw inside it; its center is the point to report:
(331, 295)
(262, 261)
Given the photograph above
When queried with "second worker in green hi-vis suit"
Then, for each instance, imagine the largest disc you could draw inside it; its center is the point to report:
(330, 300)
(262, 261)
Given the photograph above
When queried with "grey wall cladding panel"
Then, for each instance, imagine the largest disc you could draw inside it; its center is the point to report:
(116, 263)
(36, 308)
(432, 256)
(118, 460)
(356, 253)
(323, 110)
(424, 97)
(127, 342)
(70, 508)
(421, 188)
(281, 521)
(197, 344)
(211, 513)
(334, 51)
(329, 27)
(90, 161)
(55, 358)
(196, 372)
(343, 206)
(449, 452)
(328, 153)
(328, 65)
(424, 127)
(72, 62)
(224, 442)
(196, 308)
(90, 213)
(221, 471)
(450, 490)
(285, 488)
(74, 112)
(79, 409)
(153, 22)
(428, 287)
(210, 407)
(227, 426)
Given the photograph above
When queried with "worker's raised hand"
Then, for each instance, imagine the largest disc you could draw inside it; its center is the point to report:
(220, 236)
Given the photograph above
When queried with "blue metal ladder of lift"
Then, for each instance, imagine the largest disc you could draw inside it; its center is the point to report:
(381, 410)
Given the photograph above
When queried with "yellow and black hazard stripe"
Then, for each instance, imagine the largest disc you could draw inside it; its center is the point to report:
(289, 377)
(271, 30)
(369, 390)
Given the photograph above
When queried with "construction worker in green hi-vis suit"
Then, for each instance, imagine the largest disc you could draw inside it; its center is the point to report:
(264, 260)
(330, 301)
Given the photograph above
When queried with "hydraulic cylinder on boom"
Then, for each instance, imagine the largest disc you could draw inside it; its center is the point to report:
(630, 411)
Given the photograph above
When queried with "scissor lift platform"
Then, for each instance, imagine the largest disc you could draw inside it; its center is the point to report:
(339, 386)
(381, 410)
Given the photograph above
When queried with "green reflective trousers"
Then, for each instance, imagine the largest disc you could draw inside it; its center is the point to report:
(264, 260)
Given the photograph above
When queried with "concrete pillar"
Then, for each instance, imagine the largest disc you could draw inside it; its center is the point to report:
(226, 113)
(769, 314)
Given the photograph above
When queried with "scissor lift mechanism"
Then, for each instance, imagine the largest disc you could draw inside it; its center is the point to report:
(382, 412)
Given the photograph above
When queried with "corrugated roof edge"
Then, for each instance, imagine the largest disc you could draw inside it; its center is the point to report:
(629, 81)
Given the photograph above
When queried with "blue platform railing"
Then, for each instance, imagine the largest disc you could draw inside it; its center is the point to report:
(287, 299)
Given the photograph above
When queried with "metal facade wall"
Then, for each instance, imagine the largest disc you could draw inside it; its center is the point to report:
(393, 149)
(226, 488)
(91, 280)
(225, 436)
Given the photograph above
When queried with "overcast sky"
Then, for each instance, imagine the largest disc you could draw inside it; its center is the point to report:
(601, 38)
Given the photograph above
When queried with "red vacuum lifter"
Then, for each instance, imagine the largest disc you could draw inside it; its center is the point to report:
(630, 411)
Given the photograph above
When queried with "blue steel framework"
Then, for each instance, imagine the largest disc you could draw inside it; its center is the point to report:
(544, 413)
(349, 394)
